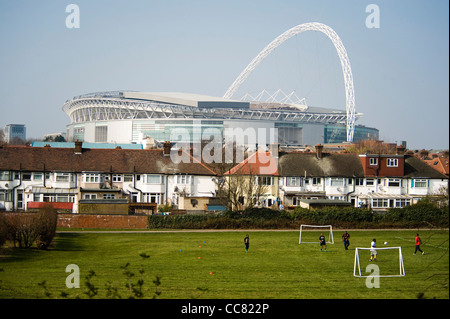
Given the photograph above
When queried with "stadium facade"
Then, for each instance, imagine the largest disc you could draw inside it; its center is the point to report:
(133, 117)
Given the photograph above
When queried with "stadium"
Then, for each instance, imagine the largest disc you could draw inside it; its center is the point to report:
(133, 117)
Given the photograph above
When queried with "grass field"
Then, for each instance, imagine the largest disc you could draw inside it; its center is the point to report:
(214, 265)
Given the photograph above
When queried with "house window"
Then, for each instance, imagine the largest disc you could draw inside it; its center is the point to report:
(152, 198)
(293, 181)
(37, 176)
(392, 162)
(359, 181)
(394, 182)
(90, 196)
(370, 182)
(127, 178)
(62, 177)
(26, 177)
(117, 178)
(380, 203)
(316, 180)
(4, 195)
(91, 178)
(61, 198)
(336, 181)
(109, 196)
(183, 179)
(420, 183)
(402, 202)
(154, 179)
(5, 176)
(265, 180)
(373, 161)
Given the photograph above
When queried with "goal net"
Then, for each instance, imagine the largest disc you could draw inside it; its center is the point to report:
(389, 261)
(309, 234)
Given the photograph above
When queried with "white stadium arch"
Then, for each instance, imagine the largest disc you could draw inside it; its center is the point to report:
(342, 53)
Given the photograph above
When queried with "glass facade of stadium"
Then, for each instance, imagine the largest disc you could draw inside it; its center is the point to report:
(195, 130)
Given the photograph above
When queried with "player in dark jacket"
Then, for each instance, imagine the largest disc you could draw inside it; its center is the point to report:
(246, 243)
(346, 240)
(322, 241)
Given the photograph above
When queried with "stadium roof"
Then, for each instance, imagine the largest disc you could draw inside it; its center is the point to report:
(126, 105)
(189, 99)
(87, 145)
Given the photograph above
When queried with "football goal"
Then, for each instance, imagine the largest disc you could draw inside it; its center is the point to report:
(389, 262)
(309, 234)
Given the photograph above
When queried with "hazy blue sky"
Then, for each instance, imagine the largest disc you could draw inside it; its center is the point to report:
(400, 70)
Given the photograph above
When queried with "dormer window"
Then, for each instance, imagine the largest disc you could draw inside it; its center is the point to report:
(392, 162)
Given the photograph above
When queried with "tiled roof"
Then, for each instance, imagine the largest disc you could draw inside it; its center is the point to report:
(259, 163)
(331, 164)
(96, 160)
(415, 167)
(153, 161)
(440, 164)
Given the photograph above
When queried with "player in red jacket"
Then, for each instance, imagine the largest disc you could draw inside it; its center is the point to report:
(418, 242)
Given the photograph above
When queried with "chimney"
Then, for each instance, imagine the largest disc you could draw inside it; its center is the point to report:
(423, 154)
(78, 147)
(166, 148)
(400, 150)
(319, 149)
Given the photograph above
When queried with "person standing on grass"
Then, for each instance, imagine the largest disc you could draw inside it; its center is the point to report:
(322, 242)
(418, 242)
(373, 251)
(246, 243)
(346, 240)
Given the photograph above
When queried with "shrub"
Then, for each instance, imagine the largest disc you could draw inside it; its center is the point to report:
(3, 231)
(21, 229)
(25, 229)
(46, 221)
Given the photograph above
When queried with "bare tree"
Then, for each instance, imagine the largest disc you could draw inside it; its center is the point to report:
(243, 188)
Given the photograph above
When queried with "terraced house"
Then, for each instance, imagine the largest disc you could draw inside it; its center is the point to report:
(84, 180)
(128, 181)
(314, 179)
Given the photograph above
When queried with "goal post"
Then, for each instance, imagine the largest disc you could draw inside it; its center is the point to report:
(328, 228)
(357, 264)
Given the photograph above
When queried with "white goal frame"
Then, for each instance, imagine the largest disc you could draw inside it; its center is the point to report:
(330, 239)
(357, 264)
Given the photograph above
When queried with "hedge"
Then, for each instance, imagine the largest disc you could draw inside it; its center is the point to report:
(423, 214)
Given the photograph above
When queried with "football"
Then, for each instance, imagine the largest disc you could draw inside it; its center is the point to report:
(385, 242)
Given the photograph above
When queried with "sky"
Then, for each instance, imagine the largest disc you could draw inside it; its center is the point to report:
(400, 67)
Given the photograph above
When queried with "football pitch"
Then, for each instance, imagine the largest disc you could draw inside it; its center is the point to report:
(214, 265)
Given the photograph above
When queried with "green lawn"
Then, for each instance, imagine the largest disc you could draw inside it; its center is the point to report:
(276, 266)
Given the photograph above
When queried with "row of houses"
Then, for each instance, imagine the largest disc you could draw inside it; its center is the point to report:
(128, 181)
